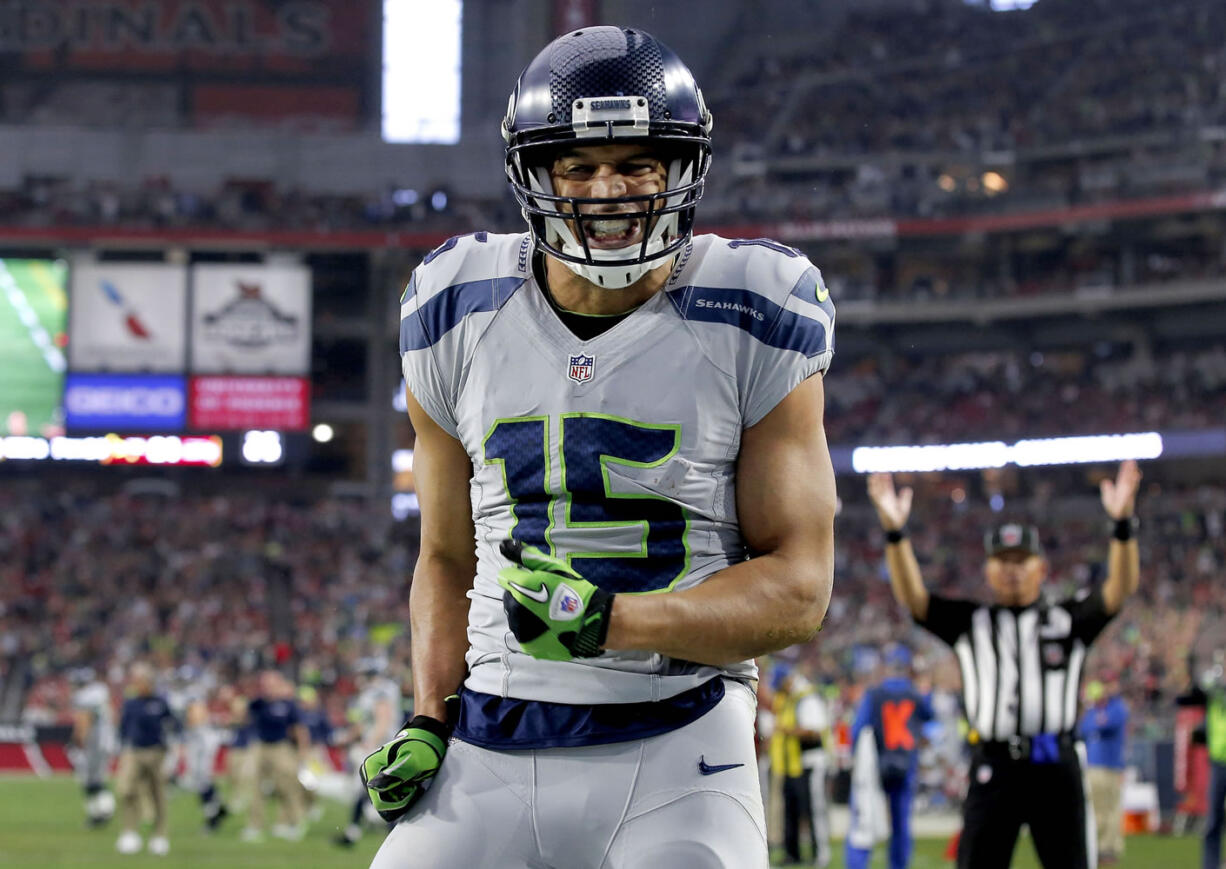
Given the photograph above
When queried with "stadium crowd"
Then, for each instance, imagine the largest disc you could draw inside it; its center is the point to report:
(951, 77)
(846, 122)
(196, 582)
(106, 580)
(925, 278)
(248, 206)
(870, 190)
(1014, 394)
(853, 100)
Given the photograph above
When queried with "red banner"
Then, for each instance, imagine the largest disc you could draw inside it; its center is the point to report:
(236, 403)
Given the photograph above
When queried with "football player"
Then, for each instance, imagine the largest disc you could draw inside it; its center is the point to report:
(375, 719)
(201, 743)
(612, 415)
(93, 736)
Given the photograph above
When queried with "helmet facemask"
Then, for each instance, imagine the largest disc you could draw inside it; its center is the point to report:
(667, 216)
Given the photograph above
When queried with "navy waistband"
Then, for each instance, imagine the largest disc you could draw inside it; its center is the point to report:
(509, 723)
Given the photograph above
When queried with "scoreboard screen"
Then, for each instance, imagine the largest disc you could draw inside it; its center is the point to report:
(33, 317)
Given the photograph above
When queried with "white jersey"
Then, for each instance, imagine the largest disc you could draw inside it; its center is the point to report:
(381, 689)
(619, 452)
(200, 746)
(95, 700)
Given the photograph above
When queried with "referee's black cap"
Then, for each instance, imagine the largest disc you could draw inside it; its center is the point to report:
(1012, 537)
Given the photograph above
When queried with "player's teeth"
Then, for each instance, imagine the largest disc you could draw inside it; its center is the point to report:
(610, 227)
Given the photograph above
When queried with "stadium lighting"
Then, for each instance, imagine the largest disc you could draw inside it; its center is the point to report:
(404, 505)
(405, 197)
(262, 447)
(322, 433)
(20, 448)
(994, 183)
(1083, 450)
(402, 460)
(1026, 453)
(931, 457)
(421, 71)
(113, 449)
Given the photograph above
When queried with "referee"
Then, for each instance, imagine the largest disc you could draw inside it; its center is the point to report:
(1021, 661)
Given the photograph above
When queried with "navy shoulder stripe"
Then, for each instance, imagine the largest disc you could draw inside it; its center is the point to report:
(772, 324)
(443, 311)
(811, 288)
(411, 289)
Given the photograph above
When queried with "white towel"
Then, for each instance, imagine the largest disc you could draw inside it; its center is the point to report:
(870, 815)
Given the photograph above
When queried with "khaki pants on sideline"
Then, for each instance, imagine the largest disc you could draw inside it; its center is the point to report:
(1106, 793)
(277, 763)
(240, 767)
(140, 775)
(774, 811)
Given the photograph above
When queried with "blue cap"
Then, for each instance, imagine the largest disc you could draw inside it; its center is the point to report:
(897, 655)
(779, 674)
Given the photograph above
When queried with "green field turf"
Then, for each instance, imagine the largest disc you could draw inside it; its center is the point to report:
(42, 827)
(27, 383)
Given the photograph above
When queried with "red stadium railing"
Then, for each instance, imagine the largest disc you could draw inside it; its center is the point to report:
(809, 230)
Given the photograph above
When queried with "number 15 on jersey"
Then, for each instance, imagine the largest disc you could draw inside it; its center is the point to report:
(629, 542)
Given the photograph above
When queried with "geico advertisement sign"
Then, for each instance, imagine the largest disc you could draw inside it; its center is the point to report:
(113, 402)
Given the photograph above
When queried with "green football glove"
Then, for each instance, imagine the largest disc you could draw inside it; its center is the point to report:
(398, 773)
(554, 612)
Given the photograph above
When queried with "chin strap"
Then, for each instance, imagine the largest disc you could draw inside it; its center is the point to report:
(611, 277)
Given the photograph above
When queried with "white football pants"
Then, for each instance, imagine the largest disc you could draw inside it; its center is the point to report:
(819, 808)
(643, 804)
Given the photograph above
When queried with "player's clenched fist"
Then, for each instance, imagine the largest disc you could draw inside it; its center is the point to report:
(553, 611)
(398, 773)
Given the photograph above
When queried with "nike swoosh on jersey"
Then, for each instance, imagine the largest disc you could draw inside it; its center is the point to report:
(710, 769)
(540, 595)
(821, 292)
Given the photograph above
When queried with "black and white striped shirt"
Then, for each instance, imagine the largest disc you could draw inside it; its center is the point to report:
(1021, 666)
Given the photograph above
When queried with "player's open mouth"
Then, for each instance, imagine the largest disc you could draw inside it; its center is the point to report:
(613, 232)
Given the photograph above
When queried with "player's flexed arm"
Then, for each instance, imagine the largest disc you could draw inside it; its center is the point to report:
(396, 774)
(785, 503)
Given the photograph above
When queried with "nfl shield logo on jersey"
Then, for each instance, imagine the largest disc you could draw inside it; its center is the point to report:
(580, 368)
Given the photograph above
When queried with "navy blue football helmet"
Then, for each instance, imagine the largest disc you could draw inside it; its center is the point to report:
(607, 85)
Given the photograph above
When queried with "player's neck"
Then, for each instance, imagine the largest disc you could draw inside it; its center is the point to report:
(573, 292)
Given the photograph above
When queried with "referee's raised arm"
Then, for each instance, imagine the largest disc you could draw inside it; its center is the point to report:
(1123, 556)
(893, 509)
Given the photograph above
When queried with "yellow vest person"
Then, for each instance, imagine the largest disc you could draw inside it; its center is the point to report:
(796, 735)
